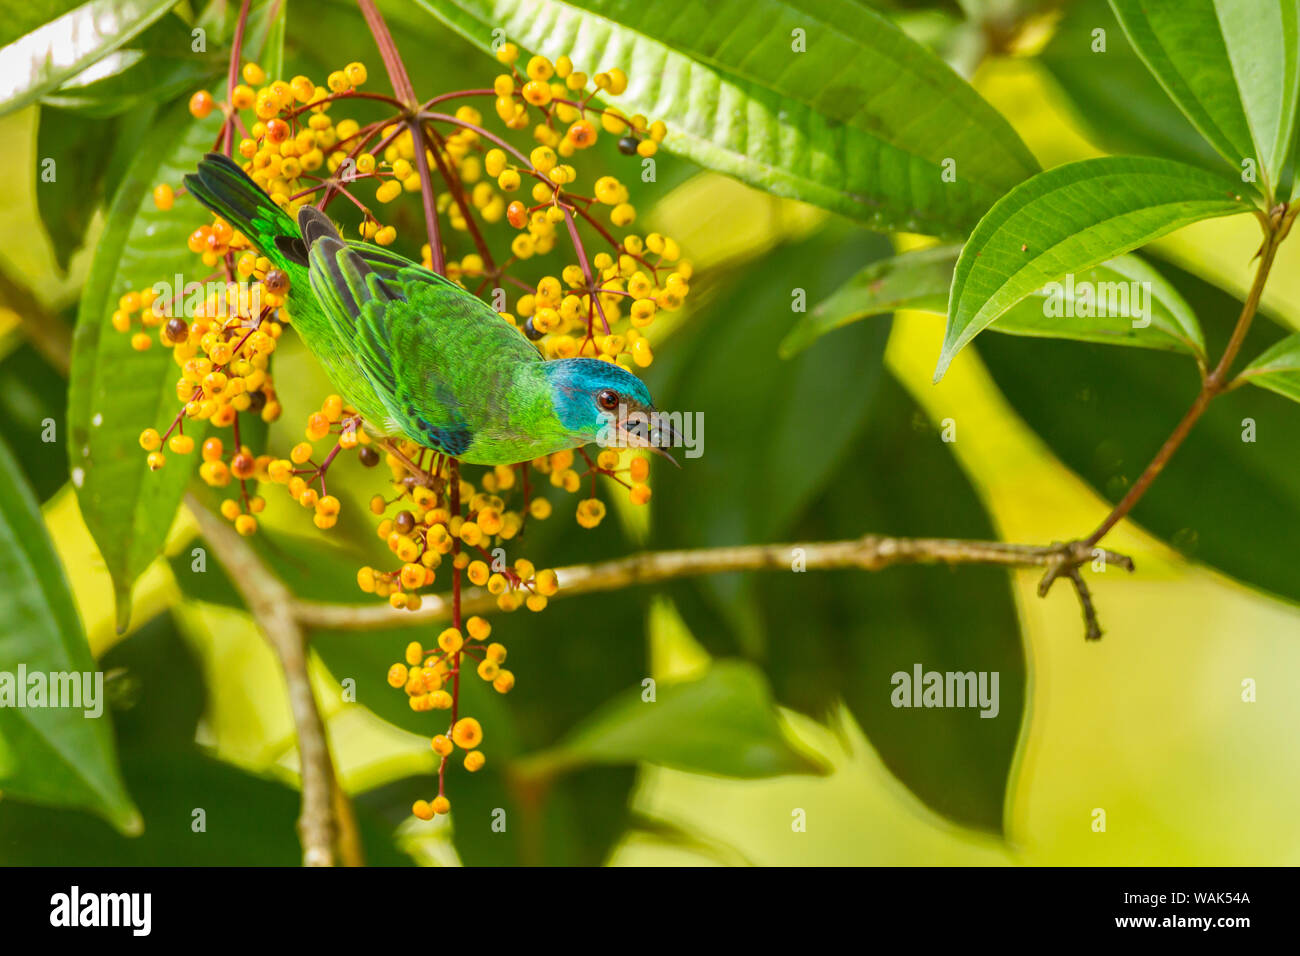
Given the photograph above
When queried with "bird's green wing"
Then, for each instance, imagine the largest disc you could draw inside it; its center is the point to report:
(437, 356)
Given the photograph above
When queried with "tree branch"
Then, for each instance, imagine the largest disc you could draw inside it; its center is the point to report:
(870, 553)
(271, 606)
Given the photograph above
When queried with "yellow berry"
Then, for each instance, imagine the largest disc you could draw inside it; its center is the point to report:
(467, 734)
(450, 640)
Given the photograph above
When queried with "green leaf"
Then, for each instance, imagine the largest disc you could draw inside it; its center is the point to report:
(116, 392)
(41, 60)
(800, 419)
(871, 140)
(1114, 96)
(912, 280)
(57, 755)
(1105, 413)
(722, 723)
(1069, 219)
(152, 69)
(68, 200)
(1094, 305)
(1278, 368)
(1233, 66)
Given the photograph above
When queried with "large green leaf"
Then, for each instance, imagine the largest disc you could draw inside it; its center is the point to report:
(871, 140)
(1230, 497)
(1278, 368)
(41, 60)
(1095, 305)
(53, 754)
(115, 392)
(1115, 98)
(722, 723)
(152, 69)
(1070, 219)
(784, 431)
(1233, 66)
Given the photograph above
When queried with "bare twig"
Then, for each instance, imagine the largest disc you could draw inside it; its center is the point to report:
(870, 553)
(270, 603)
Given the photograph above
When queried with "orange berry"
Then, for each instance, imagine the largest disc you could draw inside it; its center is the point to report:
(201, 104)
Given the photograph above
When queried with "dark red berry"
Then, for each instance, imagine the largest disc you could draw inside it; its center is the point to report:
(276, 281)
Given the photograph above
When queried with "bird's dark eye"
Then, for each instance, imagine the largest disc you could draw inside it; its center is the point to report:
(607, 399)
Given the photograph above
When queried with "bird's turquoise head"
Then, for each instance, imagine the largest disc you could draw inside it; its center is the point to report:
(595, 400)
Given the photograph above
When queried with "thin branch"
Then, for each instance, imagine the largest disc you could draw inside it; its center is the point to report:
(870, 553)
(271, 605)
(436, 260)
(1215, 384)
(232, 76)
(397, 74)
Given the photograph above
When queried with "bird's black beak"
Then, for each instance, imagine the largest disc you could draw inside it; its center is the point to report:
(654, 441)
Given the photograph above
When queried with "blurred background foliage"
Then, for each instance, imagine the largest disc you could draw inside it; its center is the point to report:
(774, 690)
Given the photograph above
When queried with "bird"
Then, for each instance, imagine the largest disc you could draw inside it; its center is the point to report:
(418, 356)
